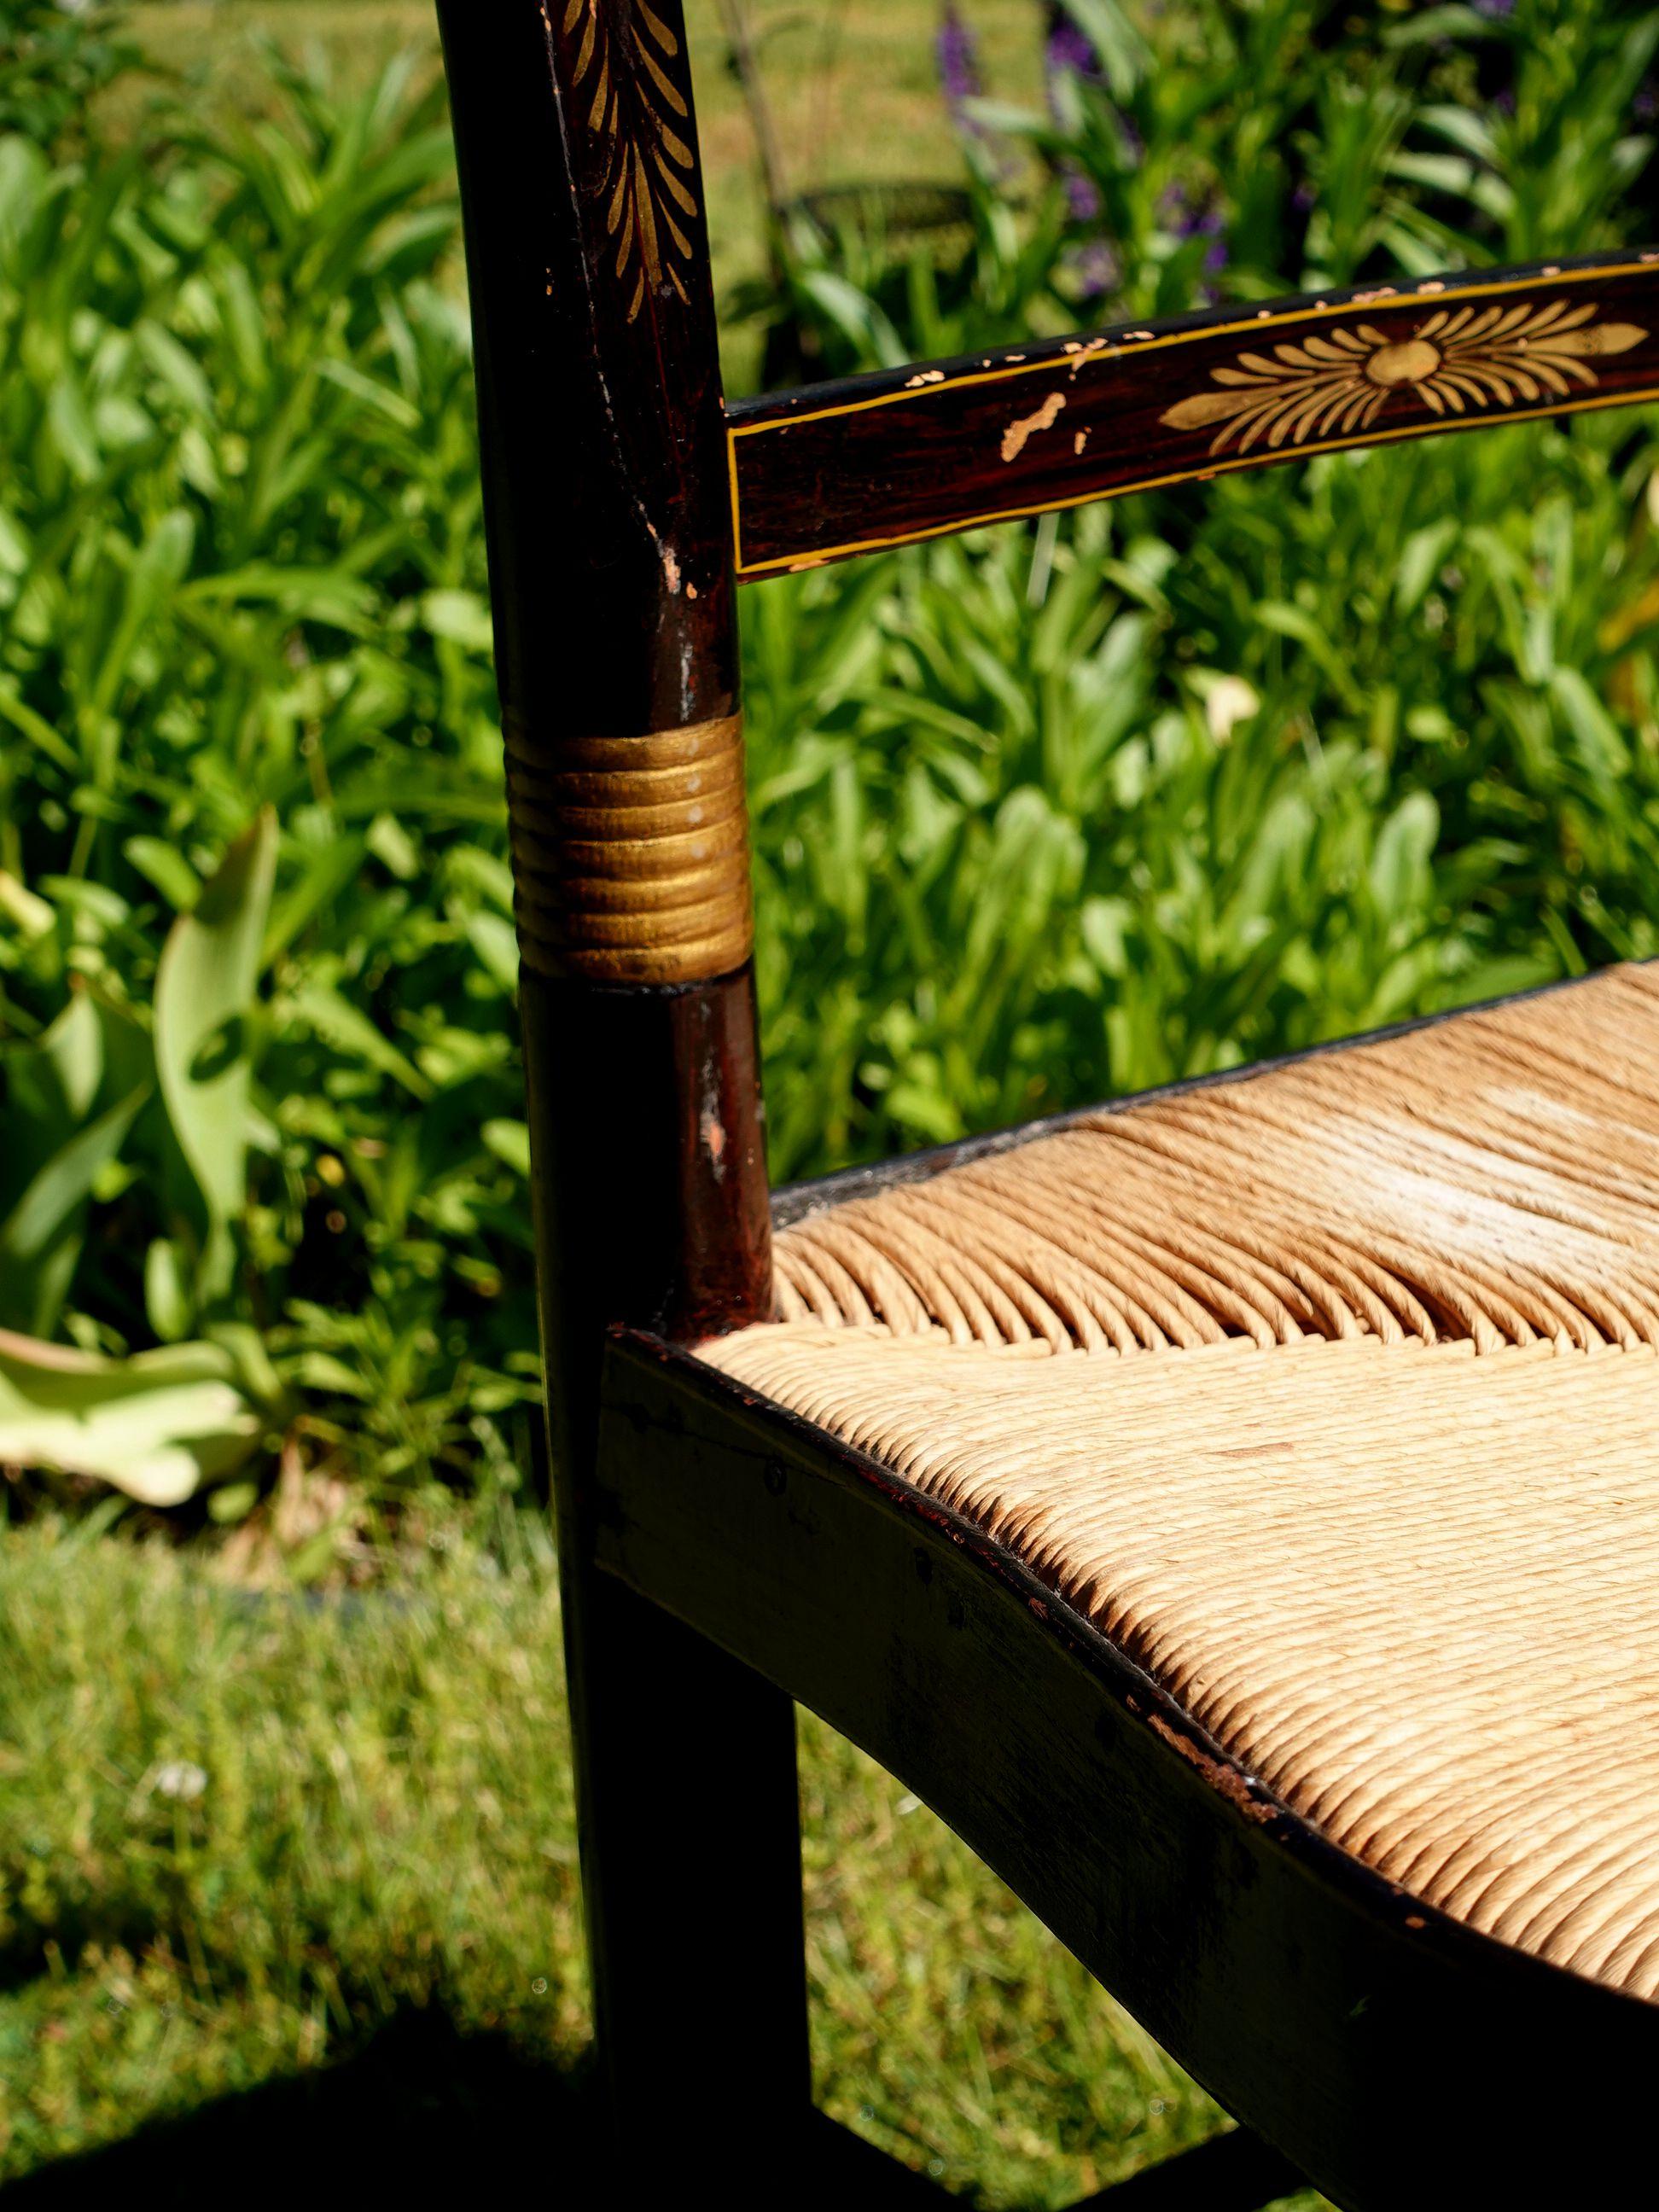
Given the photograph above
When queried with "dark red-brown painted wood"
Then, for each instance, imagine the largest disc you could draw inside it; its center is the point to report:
(842, 468)
(611, 570)
(1397, 2057)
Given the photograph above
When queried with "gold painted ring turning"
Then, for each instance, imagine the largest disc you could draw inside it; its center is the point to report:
(632, 853)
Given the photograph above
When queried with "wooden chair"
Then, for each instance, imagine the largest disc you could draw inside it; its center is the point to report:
(1236, 1511)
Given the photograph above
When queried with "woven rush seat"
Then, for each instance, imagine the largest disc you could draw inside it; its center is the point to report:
(1331, 1394)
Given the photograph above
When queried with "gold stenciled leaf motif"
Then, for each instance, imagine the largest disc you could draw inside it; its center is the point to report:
(622, 90)
(1332, 384)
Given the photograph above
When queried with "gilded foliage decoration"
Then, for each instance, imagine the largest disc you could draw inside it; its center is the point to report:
(1336, 383)
(622, 79)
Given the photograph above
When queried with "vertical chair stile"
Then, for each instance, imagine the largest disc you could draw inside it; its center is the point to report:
(611, 574)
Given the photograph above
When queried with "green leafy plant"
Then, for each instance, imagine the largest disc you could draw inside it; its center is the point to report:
(1139, 793)
(1041, 813)
(56, 55)
(257, 976)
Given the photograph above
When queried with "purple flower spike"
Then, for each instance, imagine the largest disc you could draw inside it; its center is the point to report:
(958, 52)
(1207, 222)
(1082, 195)
(1067, 51)
(1204, 224)
(1096, 268)
(1071, 51)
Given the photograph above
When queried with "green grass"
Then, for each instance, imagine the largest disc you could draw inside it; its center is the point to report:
(852, 83)
(244, 1836)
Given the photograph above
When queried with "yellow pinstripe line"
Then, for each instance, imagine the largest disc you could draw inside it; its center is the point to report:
(816, 558)
(1382, 303)
(1069, 364)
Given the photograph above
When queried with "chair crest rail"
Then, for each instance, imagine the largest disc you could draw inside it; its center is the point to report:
(850, 467)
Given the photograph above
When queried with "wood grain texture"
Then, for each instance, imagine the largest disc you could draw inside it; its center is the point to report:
(1393, 2055)
(840, 469)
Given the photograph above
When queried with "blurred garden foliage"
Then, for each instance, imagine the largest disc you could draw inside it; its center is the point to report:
(1040, 814)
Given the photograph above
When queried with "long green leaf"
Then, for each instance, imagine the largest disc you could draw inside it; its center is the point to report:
(205, 987)
(59, 1188)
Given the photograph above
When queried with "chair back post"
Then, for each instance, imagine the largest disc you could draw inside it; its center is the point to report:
(608, 515)
(608, 523)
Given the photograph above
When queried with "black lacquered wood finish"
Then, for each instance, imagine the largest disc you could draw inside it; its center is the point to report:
(610, 574)
(599, 377)
(839, 469)
(611, 570)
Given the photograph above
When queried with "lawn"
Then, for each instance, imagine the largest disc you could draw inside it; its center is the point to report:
(853, 85)
(306, 1870)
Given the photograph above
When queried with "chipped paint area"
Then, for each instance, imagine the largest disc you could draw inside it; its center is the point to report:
(1020, 432)
(1227, 1780)
(671, 563)
(924, 376)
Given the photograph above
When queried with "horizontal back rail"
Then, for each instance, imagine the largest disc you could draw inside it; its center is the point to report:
(839, 469)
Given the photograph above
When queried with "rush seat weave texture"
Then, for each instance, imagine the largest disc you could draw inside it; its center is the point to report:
(1331, 1394)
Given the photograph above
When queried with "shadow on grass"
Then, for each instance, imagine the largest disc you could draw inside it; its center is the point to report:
(423, 2111)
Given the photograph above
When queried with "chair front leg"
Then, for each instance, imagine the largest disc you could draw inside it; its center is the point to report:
(691, 1850)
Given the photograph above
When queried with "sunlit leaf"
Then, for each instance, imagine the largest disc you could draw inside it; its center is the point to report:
(205, 988)
(157, 1426)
